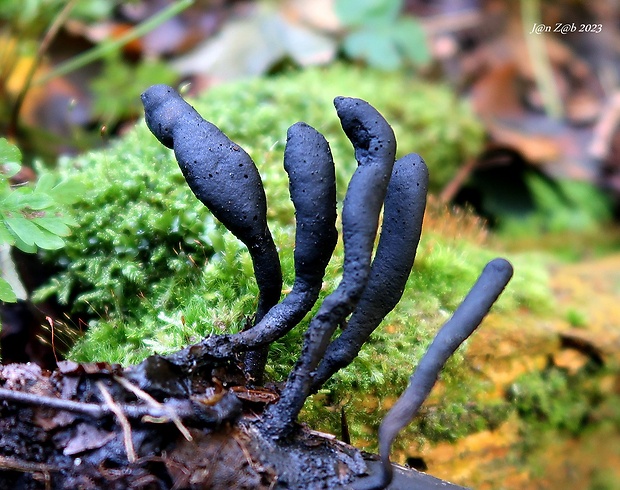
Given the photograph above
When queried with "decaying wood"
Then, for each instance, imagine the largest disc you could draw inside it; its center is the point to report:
(60, 431)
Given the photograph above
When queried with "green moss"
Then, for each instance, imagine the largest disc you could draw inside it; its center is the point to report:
(556, 400)
(569, 206)
(576, 318)
(427, 118)
(564, 419)
(155, 271)
(604, 479)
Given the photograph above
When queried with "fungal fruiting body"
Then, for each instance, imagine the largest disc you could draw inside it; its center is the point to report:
(375, 147)
(312, 185)
(223, 177)
(226, 180)
(400, 233)
(455, 331)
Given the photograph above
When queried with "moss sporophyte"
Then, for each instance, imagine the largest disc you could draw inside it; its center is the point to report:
(223, 176)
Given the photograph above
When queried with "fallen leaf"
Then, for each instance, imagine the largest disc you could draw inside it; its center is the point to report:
(251, 45)
(87, 437)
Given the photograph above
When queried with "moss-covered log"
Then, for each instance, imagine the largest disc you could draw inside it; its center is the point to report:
(154, 272)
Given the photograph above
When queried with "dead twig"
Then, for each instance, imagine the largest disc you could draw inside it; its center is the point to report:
(94, 410)
(248, 457)
(26, 466)
(451, 189)
(122, 420)
(605, 129)
(144, 396)
(36, 469)
(51, 33)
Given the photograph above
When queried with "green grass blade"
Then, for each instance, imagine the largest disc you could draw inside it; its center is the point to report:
(104, 48)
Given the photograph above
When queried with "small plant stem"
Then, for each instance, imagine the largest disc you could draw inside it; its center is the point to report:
(109, 46)
(122, 420)
(543, 72)
(51, 33)
(8, 58)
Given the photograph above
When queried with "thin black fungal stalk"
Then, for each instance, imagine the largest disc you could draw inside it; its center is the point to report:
(223, 177)
(403, 213)
(375, 147)
(457, 329)
(312, 185)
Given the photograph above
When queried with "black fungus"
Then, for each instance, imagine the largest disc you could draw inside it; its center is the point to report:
(223, 177)
(375, 147)
(457, 329)
(403, 213)
(312, 184)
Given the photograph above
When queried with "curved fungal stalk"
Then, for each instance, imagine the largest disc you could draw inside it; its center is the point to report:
(403, 213)
(223, 177)
(465, 320)
(312, 184)
(375, 147)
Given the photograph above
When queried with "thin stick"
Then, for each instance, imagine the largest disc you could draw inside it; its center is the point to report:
(605, 128)
(122, 420)
(91, 409)
(539, 56)
(26, 466)
(109, 46)
(43, 47)
(143, 395)
(248, 457)
(450, 190)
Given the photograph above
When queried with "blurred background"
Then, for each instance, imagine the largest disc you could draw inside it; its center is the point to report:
(539, 172)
